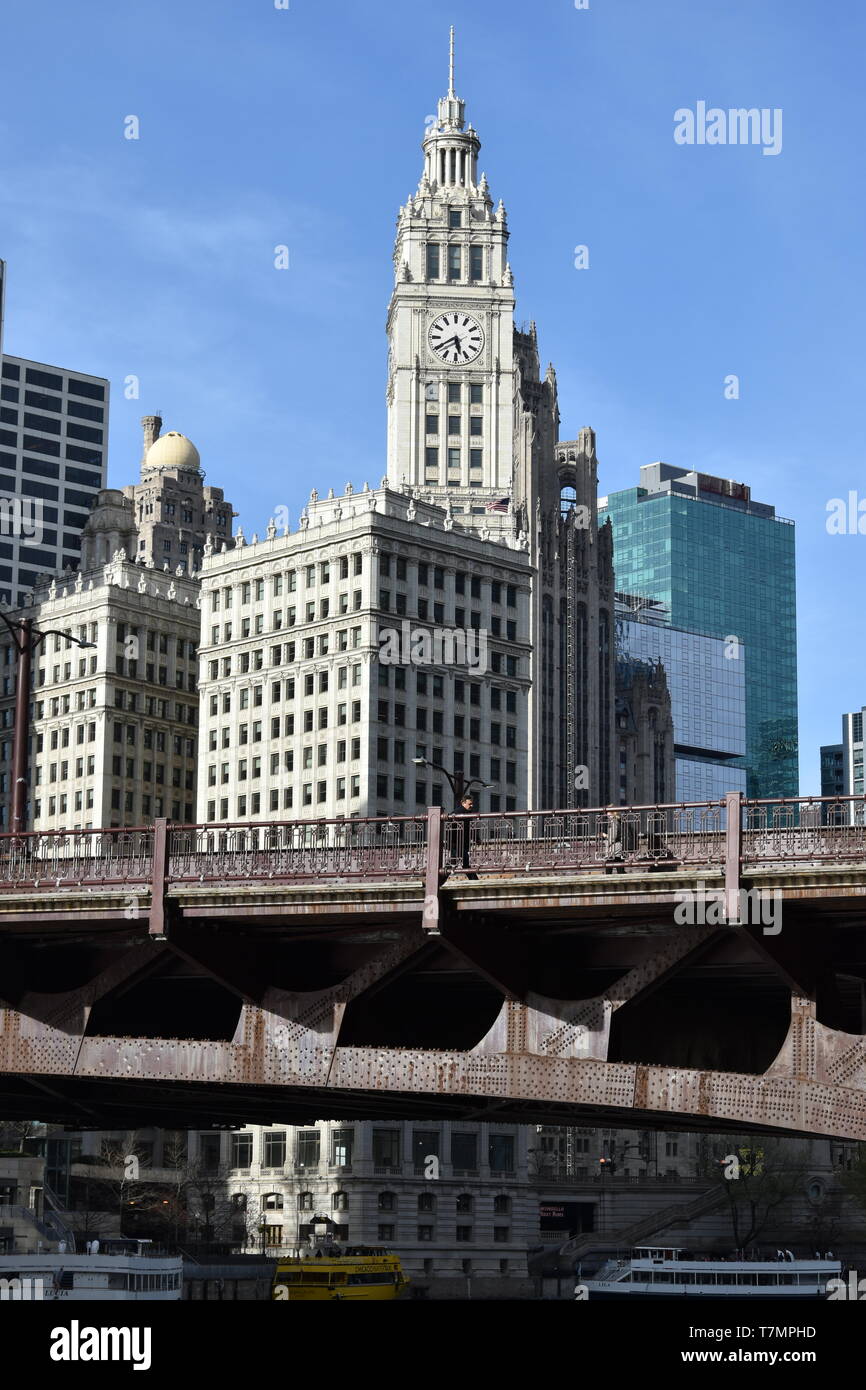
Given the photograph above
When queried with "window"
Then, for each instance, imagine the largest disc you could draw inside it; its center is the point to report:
(501, 1204)
(387, 1201)
(341, 1148)
(425, 1232)
(386, 1232)
(308, 1148)
(272, 1201)
(464, 1151)
(455, 261)
(386, 1148)
(425, 1145)
(464, 1233)
(339, 1201)
(501, 1153)
(432, 261)
(501, 1233)
(274, 1149)
(455, 217)
(305, 1201)
(476, 263)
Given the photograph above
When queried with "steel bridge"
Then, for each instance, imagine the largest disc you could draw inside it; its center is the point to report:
(695, 966)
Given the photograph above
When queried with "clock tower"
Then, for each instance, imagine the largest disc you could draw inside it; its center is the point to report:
(451, 369)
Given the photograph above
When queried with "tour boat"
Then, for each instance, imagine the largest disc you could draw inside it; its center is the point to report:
(659, 1272)
(121, 1269)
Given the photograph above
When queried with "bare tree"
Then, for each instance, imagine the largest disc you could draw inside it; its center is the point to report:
(15, 1134)
(758, 1176)
(119, 1183)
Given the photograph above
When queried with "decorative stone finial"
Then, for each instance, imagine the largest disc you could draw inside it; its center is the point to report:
(272, 529)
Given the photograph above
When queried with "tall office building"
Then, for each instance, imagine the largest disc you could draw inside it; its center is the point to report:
(53, 462)
(842, 764)
(852, 752)
(832, 769)
(114, 729)
(707, 698)
(722, 565)
(334, 657)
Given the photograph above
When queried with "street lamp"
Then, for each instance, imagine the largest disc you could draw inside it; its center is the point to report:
(456, 781)
(26, 640)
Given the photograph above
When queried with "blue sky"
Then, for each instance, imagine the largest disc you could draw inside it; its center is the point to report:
(261, 127)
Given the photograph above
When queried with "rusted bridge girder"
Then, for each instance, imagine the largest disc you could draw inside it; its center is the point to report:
(350, 968)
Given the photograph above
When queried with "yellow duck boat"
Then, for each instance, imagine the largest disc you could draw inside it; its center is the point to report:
(324, 1271)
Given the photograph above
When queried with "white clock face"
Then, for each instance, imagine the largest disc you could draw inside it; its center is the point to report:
(456, 338)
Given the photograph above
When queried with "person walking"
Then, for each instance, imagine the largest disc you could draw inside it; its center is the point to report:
(465, 809)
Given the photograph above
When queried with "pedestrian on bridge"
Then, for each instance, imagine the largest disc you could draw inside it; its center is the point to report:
(465, 809)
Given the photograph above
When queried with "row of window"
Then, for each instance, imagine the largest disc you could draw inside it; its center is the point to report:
(454, 424)
(33, 376)
(150, 806)
(386, 1201)
(458, 262)
(253, 591)
(129, 699)
(386, 1150)
(454, 459)
(33, 444)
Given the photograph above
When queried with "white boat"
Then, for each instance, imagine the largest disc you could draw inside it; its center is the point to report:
(121, 1270)
(660, 1272)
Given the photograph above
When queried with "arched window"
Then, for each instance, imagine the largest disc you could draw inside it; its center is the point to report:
(305, 1201)
(239, 1201)
(464, 1202)
(567, 498)
(272, 1201)
(501, 1204)
(387, 1201)
(339, 1201)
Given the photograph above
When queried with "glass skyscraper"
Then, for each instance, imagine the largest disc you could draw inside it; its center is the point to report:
(721, 565)
(708, 700)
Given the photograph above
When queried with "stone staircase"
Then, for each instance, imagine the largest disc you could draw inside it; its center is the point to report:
(677, 1214)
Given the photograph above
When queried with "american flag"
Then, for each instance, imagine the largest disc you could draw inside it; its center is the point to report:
(501, 505)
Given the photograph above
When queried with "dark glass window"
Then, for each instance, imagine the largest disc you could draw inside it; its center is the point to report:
(46, 423)
(86, 412)
(36, 378)
(86, 388)
(464, 1150)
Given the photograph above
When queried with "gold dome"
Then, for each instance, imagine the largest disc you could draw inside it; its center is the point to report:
(172, 450)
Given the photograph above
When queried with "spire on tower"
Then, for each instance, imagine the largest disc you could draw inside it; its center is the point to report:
(451, 148)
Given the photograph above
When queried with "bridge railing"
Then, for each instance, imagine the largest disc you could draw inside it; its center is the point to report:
(70, 857)
(600, 838)
(804, 829)
(339, 848)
